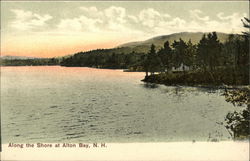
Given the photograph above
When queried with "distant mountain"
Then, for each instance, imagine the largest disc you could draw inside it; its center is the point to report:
(144, 46)
(9, 57)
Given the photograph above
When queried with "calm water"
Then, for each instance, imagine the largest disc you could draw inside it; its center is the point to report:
(59, 104)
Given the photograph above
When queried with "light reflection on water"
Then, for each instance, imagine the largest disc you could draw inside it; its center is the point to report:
(59, 104)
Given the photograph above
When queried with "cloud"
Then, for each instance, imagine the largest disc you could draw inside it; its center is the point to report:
(149, 13)
(26, 20)
(231, 17)
(116, 14)
(91, 11)
(81, 23)
(233, 20)
(149, 17)
(103, 27)
(119, 21)
(147, 22)
(224, 23)
(93, 20)
(197, 14)
(116, 18)
(133, 19)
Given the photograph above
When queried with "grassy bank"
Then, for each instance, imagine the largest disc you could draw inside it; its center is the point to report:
(237, 123)
(207, 78)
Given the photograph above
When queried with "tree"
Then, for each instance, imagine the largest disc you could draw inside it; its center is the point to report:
(214, 48)
(153, 61)
(209, 51)
(179, 53)
(202, 52)
(190, 55)
(246, 24)
(165, 55)
(145, 64)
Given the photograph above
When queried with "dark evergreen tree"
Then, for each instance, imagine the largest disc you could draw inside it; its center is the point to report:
(190, 55)
(154, 60)
(179, 51)
(209, 50)
(165, 55)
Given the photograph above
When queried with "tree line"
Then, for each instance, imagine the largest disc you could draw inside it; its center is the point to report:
(103, 58)
(208, 55)
(30, 62)
(208, 62)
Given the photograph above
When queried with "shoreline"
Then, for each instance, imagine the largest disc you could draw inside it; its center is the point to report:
(230, 87)
(210, 86)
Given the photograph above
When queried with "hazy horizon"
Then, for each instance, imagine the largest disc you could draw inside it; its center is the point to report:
(54, 29)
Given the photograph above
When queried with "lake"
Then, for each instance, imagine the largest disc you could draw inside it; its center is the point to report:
(76, 104)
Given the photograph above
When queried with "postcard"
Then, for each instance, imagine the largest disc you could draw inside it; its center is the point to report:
(125, 80)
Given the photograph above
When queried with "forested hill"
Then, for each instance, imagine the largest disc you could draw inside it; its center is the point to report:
(158, 41)
(131, 54)
(10, 57)
(28, 61)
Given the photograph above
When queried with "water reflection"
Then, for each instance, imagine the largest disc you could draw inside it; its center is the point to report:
(182, 90)
(207, 89)
(150, 85)
(84, 104)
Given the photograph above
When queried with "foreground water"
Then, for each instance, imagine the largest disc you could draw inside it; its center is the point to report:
(59, 104)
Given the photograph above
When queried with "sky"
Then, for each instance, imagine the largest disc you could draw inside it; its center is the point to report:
(51, 29)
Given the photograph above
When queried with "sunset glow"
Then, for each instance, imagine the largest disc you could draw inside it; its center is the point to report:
(38, 29)
(52, 46)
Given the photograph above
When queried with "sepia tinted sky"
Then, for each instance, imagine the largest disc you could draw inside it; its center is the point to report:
(46, 29)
